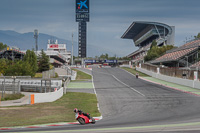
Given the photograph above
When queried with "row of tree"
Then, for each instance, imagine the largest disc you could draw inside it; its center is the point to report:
(107, 57)
(26, 67)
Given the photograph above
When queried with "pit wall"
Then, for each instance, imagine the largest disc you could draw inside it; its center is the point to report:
(46, 97)
(180, 81)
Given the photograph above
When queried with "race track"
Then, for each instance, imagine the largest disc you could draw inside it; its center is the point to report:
(128, 104)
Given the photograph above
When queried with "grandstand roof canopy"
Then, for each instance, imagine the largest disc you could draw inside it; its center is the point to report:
(137, 26)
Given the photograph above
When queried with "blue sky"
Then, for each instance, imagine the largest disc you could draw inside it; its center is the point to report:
(109, 19)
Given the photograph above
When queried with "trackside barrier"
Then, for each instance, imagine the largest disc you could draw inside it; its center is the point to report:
(46, 97)
(125, 66)
(32, 99)
(180, 81)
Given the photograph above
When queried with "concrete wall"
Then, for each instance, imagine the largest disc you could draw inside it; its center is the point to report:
(47, 97)
(185, 82)
(125, 66)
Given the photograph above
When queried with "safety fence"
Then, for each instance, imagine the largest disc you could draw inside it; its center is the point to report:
(173, 72)
(176, 80)
(48, 74)
(15, 85)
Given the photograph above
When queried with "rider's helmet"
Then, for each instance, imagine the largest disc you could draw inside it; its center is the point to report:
(75, 110)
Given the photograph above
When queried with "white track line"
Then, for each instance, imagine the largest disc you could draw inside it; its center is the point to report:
(94, 90)
(101, 117)
(129, 86)
(123, 83)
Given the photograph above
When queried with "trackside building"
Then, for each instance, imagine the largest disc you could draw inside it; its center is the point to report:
(143, 33)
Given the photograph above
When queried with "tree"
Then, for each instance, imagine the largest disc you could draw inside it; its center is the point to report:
(19, 68)
(3, 66)
(2, 46)
(198, 36)
(112, 58)
(43, 64)
(104, 56)
(31, 59)
(154, 43)
(156, 51)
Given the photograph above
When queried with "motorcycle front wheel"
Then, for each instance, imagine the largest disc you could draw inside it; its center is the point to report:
(81, 121)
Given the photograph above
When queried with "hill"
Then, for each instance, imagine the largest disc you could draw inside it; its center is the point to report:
(26, 41)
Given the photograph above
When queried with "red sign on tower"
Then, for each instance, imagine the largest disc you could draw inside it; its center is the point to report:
(53, 46)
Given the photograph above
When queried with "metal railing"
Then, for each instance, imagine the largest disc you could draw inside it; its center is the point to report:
(65, 85)
(11, 86)
(30, 85)
(69, 71)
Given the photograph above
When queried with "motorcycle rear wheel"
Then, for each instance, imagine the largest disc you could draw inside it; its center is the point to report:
(93, 121)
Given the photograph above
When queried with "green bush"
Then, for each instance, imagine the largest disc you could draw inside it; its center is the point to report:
(156, 51)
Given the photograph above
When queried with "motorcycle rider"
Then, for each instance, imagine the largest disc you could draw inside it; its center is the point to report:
(137, 75)
(81, 112)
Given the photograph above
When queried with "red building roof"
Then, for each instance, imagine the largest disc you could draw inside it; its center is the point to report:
(176, 54)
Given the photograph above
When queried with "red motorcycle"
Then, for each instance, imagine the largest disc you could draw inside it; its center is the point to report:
(82, 119)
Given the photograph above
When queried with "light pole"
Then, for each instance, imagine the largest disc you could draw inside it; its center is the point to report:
(187, 60)
(36, 39)
(72, 50)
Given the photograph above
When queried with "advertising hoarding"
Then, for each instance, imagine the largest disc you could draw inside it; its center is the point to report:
(56, 46)
(82, 10)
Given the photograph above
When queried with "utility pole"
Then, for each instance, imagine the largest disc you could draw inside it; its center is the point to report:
(36, 39)
(72, 54)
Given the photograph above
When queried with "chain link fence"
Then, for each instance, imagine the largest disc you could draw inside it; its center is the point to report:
(9, 84)
(48, 74)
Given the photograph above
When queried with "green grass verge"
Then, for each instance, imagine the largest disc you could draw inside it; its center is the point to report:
(38, 75)
(58, 111)
(81, 76)
(134, 71)
(11, 96)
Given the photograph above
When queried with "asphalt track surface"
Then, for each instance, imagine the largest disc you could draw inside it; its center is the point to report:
(128, 104)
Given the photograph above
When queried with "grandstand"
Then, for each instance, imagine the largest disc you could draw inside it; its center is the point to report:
(195, 66)
(11, 53)
(143, 33)
(57, 53)
(183, 56)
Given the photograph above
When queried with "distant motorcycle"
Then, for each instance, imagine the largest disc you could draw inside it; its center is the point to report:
(82, 119)
(137, 75)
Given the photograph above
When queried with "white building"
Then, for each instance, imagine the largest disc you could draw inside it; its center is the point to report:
(60, 50)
